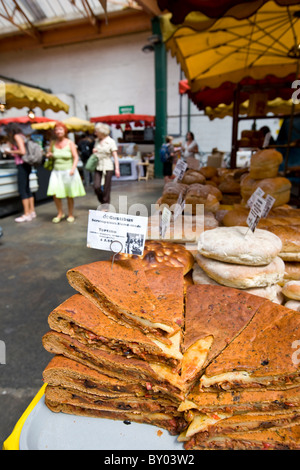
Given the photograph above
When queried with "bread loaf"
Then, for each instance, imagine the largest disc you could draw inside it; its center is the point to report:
(208, 171)
(265, 164)
(278, 187)
(290, 238)
(193, 176)
(208, 195)
(292, 271)
(171, 193)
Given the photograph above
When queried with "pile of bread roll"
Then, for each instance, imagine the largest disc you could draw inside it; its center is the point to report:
(291, 292)
(193, 193)
(237, 257)
(263, 173)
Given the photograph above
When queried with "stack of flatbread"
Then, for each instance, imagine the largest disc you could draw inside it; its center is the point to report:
(121, 334)
(134, 344)
(237, 257)
(248, 395)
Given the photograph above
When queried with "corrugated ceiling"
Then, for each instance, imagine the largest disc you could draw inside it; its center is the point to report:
(30, 14)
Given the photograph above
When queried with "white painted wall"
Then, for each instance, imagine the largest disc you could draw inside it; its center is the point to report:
(109, 73)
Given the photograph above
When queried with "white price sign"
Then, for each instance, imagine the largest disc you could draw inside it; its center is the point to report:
(269, 204)
(108, 230)
(179, 170)
(165, 221)
(256, 211)
(257, 193)
(179, 207)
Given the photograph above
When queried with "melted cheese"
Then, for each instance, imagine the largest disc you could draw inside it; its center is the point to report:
(174, 349)
(195, 357)
(165, 373)
(186, 405)
(202, 421)
(149, 324)
(243, 377)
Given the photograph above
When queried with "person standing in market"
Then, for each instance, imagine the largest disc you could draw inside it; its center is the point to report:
(85, 148)
(190, 147)
(65, 180)
(108, 163)
(169, 152)
(17, 142)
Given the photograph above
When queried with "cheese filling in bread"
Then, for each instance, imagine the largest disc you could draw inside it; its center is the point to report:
(232, 380)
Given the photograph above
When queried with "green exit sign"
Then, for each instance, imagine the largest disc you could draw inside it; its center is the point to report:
(126, 109)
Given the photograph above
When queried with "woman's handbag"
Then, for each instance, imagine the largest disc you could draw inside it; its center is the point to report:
(92, 162)
(49, 164)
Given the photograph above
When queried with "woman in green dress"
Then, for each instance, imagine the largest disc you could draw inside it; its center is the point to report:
(65, 180)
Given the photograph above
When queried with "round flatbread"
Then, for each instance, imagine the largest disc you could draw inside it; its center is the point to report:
(239, 245)
(200, 276)
(272, 292)
(293, 305)
(241, 276)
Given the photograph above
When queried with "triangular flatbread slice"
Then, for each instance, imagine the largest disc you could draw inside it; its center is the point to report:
(264, 354)
(84, 321)
(214, 316)
(124, 295)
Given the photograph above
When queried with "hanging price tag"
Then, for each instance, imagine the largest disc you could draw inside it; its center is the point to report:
(179, 207)
(256, 211)
(121, 233)
(165, 221)
(258, 192)
(269, 204)
(179, 170)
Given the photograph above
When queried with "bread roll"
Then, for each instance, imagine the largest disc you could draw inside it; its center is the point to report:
(235, 217)
(193, 176)
(279, 188)
(207, 195)
(208, 171)
(230, 199)
(239, 245)
(230, 185)
(265, 164)
(292, 271)
(290, 237)
(171, 193)
(291, 290)
(240, 276)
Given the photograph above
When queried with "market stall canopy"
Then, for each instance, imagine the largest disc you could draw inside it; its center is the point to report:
(215, 9)
(278, 107)
(24, 120)
(230, 50)
(139, 120)
(273, 87)
(21, 96)
(73, 124)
